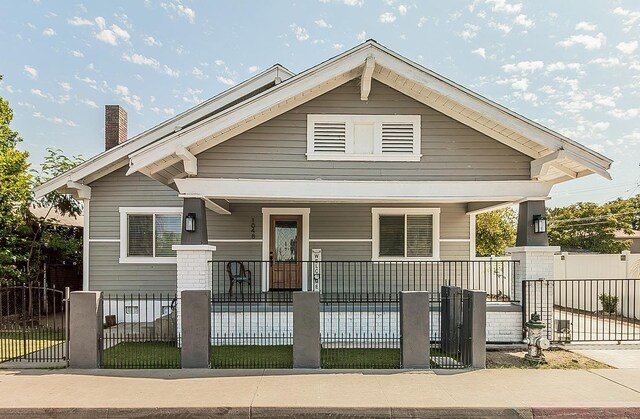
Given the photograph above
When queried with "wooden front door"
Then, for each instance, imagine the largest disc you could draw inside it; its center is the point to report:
(285, 252)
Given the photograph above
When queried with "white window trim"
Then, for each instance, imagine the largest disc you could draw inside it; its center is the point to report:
(124, 234)
(266, 231)
(377, 121)
(375, 219)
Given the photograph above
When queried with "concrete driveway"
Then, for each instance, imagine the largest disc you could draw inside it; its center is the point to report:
(625, 355)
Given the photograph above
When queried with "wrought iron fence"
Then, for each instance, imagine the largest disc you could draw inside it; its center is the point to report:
(33, 323)
(140, 331)
(582, 310)
(496, 277)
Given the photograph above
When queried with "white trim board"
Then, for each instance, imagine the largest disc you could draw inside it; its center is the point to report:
(358, 191)
(104, 240)
(235, 240)
(341, 240)
(267, 212)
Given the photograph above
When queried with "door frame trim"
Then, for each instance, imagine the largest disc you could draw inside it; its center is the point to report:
(266, 231)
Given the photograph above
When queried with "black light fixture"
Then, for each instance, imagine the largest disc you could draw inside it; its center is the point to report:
(190, 222)
(539, 224)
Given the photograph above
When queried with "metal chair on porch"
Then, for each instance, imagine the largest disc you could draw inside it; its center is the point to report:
(238, 275)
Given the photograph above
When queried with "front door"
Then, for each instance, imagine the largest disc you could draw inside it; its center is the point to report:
(285, 252)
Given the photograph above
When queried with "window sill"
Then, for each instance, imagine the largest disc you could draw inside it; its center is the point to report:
(148, 260)
(403, 259)
(363, 157)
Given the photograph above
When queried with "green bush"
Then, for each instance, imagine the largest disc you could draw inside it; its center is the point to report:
(609, 303)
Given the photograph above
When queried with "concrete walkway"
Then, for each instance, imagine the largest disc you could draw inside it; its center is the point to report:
(286, 393)
(626, 355)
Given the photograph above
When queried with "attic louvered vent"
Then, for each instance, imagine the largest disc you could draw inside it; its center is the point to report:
(363, 137)
(329, 137)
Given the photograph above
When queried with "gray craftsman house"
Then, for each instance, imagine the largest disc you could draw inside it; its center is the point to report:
(365, 161)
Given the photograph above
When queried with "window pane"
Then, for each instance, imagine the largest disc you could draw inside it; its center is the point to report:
(140, 235)
(392, 235)
(168, 230)
(419, 235)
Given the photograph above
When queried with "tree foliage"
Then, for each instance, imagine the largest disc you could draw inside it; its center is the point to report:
(495, 231)
(588, 226)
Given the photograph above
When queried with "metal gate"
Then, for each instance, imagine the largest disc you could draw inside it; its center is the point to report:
(34, 325)
(585, 310)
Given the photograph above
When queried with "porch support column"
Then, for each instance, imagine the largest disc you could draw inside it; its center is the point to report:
(526, 236)
(414, 329)
(196, 207)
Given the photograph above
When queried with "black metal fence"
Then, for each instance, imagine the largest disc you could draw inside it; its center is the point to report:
(33, 324)
(585, 310)
(140, 331)
(496, 277)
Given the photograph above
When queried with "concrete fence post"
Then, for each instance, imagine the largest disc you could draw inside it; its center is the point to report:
(414, 329)
(474, 328)
(306, 329)
(196, 328)
(85, 328)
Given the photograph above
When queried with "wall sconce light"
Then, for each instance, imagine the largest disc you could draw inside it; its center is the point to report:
(539, 224)
(190, 222)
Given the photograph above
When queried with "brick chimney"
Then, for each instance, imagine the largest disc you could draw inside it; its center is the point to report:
(115, 126)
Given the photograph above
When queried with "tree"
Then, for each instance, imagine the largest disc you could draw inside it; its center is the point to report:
(591, 227)
(495, 231)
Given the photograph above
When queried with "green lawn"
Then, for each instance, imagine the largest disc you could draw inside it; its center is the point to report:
(167, 355)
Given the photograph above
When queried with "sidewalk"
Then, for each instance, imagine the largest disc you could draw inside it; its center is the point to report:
(286, 393)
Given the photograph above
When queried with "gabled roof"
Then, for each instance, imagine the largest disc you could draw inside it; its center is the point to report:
(556, 158)
(118, 156)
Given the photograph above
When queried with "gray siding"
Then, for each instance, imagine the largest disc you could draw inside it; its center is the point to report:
(451, 150)
(108, 194)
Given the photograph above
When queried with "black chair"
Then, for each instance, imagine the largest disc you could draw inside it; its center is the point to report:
(238, 275)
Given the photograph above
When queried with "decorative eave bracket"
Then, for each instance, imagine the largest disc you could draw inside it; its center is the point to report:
(367, 74)
(77, 190)
(189, 160)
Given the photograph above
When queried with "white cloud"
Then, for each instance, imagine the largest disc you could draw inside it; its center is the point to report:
(625, 114)
(76, 53)
(480, 51)
(521, 84)
(523, 67)
(65, 86)
(504, 28)
(503, 6)
(190, 95)
(627, 47)
(387, 17)
(607, 101)
(587, 41)
(630, 17)
(353, 2)
(110, 36)
(197, 73)
(300, 32)
(470, 31)
(151, 41)
(634, 137)
(523, 20)
(606, 62)
(179, 9)
(91, 82)
(27, 105)
(38, 92)
(253, 69)
(586, 26)
(31, 72)
(49, 32)
(321, 23)
(140, 59)
(338, 46)
(422, 21)
(225, 80)
(361, 36)
(170, 71)
(78, 21)
(89, 103)
(559, 66)
(55, 119)
(403, 9)
(126, 96)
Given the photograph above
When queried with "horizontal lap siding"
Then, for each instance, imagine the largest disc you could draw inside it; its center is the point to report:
(276, 149)
(108, 194)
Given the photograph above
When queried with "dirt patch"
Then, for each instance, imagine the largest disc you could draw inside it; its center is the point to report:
(554, 359)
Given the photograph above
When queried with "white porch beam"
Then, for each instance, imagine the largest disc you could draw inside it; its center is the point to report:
(359, 191)
(540, 167)
(365, 81)
(564, 170)
(189, 160)
(218, 206)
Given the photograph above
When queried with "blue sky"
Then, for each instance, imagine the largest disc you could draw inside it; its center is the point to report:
(573, 66)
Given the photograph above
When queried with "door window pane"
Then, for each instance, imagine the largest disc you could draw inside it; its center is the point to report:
(286, 241)
(419, 235)
(392, 235)
(168, 229)
(140, 235)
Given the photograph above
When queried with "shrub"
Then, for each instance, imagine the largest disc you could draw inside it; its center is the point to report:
(609, 303)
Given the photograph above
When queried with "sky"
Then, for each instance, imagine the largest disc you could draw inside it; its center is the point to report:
(571, 65)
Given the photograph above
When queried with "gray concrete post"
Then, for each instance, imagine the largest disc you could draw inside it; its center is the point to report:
(414, 329)
(195, 313)
(450, 318)
(85, 328)
(306, 330)
(474, 328)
